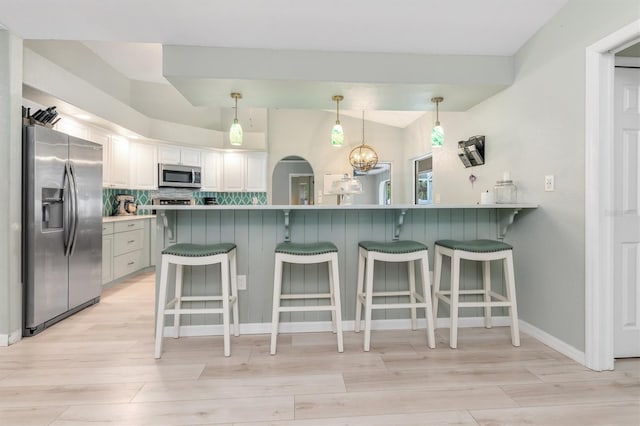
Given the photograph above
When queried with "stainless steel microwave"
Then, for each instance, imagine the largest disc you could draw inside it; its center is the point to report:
(178, 176)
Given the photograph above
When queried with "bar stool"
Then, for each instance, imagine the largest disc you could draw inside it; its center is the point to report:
(484, 251)
(396, 251)
(307, 254)
(192, 255)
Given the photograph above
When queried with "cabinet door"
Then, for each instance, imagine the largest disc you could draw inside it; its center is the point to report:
(233, 171)
(119, 162)
(103, 139)
(190, 157)
(256, 167)
(107, 259)
(144, 170)
(168, 154)
(211, 168)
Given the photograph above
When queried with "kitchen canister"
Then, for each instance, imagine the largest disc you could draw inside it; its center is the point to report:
(505, 192)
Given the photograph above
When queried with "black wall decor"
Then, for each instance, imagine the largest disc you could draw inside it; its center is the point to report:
(471, 151)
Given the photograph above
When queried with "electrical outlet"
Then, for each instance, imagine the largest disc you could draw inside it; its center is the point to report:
(242, 282)
(549, 183)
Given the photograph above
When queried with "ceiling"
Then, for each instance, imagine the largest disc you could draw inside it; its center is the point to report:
(129, 35)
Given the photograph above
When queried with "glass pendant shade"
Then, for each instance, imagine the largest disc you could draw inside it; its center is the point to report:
(437, 134)
(337, 134)
(235, 132)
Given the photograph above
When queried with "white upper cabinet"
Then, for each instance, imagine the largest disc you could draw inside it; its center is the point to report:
(256, 172)
(233, 170)
(143, 166)
(119, 162)
(103, 138)
(211, 171)
(244, 171)
(177, 155)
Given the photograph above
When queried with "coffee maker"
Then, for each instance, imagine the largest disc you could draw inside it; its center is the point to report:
(126, 205)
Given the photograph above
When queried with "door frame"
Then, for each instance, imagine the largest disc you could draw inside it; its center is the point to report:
(599, 181)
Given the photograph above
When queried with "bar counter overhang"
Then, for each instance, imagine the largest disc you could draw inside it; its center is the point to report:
(256, 229)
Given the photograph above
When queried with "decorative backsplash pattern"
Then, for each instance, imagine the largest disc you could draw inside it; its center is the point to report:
(109, 204)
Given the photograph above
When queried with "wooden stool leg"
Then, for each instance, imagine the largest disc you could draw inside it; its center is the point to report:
(359, 290)
(225, 281)
(234, 292)
(162, 302)
(178, 304)
(335, 284)
(511, 295)
(486, 279)
(369, 267)
(411, 272)
(437, 274)
(332, 296)
(455, 289)
(277, 286)
(426, 292)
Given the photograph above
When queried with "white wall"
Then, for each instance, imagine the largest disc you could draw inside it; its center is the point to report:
(534, 128)
(10, 193)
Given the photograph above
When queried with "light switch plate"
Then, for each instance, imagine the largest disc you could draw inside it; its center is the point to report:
(242, 282)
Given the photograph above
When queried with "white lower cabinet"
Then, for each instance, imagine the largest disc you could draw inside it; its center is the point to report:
(126, 247)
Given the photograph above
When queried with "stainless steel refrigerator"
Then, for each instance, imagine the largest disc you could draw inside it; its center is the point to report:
(62, 226)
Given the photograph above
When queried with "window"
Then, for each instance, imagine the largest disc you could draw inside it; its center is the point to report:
(423, 180)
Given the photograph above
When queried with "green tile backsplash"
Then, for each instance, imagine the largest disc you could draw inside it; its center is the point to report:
(109, 204)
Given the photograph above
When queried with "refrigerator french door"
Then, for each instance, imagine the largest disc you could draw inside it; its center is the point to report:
(62, 226)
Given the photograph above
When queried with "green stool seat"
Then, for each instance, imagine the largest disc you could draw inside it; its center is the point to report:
(198, 250)
(309, 249)
(475, 246)
(393, 247)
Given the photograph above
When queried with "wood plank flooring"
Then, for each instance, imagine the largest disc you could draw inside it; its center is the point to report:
(97, 368)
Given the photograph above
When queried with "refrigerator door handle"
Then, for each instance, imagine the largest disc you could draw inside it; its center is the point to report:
(66, 212)
(74, 194)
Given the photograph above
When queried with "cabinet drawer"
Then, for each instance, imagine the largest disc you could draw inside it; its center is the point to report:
(124, 242)
(128, 225)
(127, 263)
(107, 228)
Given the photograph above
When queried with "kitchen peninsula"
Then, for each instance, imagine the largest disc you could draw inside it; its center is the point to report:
(257, 229)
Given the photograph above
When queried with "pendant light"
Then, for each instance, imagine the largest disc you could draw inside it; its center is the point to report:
(235, 132)
(437, 134)
(363, 158)
(337, 134)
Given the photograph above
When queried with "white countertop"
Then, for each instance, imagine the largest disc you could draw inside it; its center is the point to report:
(108, 219)
(342, 207)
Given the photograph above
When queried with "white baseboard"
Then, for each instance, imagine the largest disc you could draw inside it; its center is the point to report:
(10, 339)
(319, 326)
(553, 342)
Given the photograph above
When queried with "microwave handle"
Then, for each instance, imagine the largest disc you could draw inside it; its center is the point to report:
(193, 176)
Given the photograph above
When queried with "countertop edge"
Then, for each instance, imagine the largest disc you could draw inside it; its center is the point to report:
(335, 207)
(109, 219)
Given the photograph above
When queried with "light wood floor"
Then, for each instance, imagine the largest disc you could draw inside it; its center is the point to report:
(97, 368)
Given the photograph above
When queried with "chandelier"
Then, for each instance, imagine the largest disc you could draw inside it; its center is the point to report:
(363, 158)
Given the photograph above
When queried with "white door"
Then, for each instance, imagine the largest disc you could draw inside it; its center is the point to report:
(627, 213)
(143, 166)
(256, 169)
(211, 171)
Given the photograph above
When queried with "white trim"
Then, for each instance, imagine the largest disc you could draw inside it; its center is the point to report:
(598, 197)
(10, 339)
(553, 342)
(322, 326)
